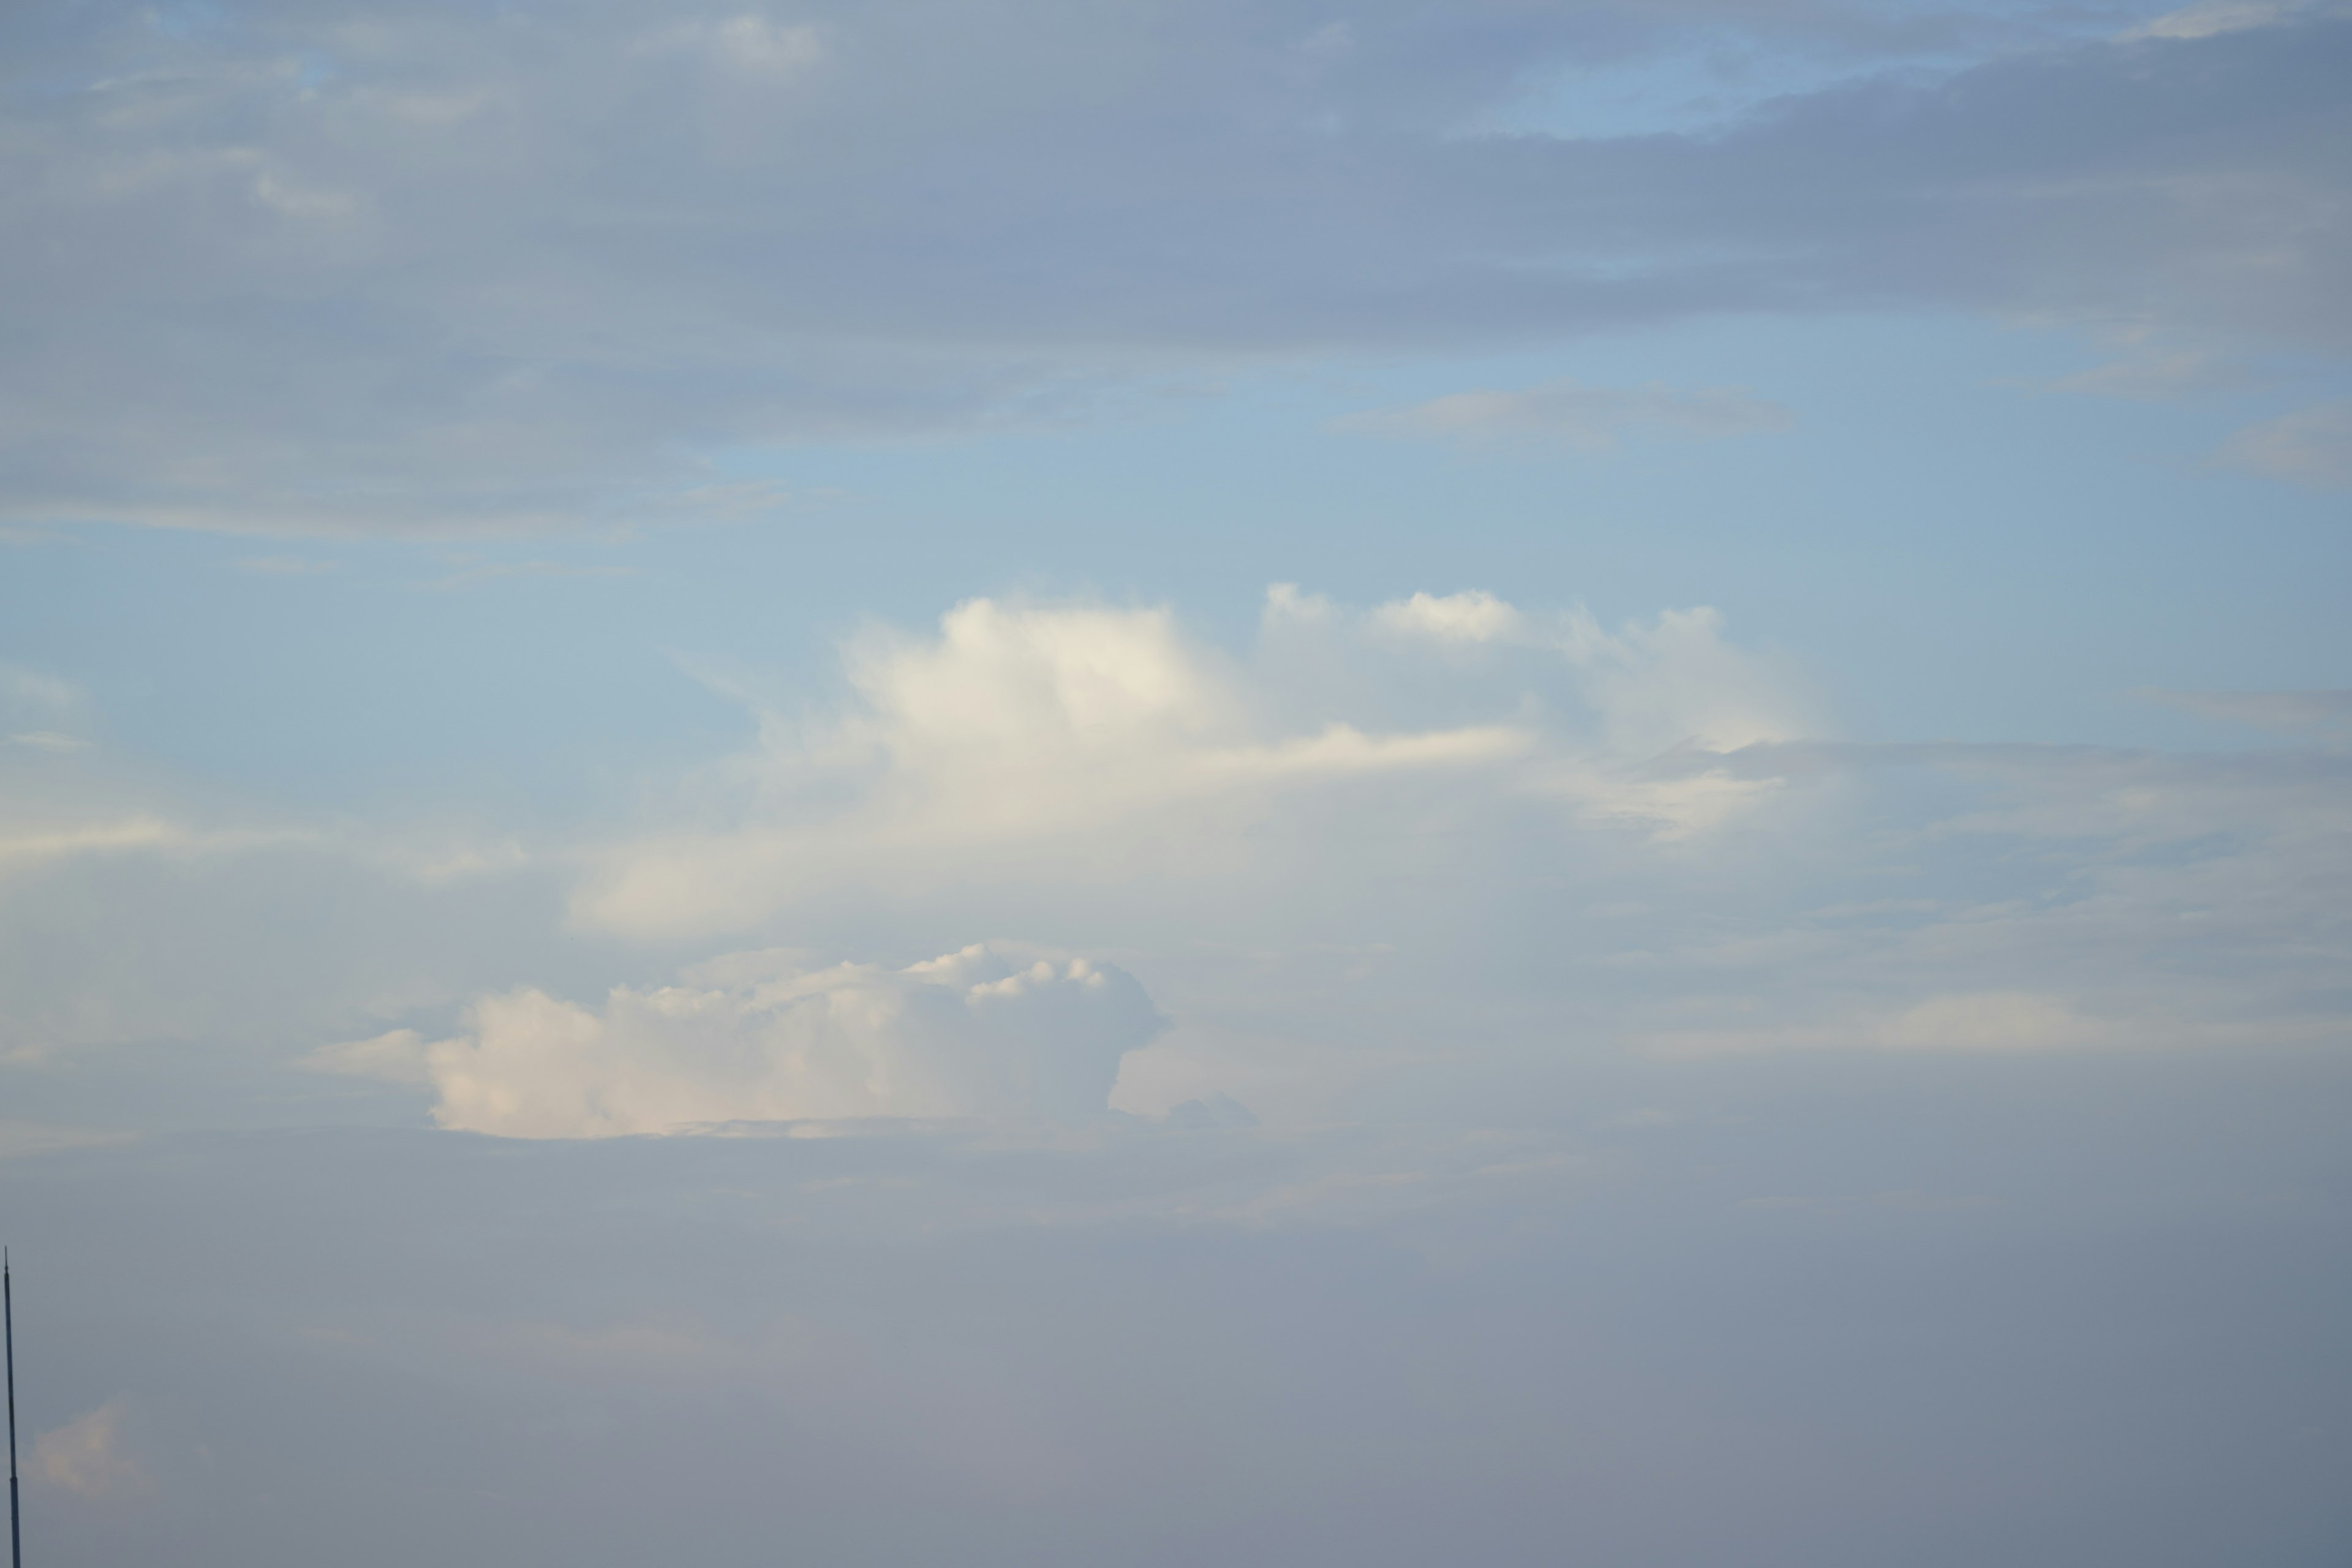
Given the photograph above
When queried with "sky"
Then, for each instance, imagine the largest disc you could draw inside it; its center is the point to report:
(1033, 783)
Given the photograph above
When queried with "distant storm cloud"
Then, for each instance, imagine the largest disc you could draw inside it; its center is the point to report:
(304, 267)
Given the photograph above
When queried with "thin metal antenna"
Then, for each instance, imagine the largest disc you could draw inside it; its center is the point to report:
(8, 1325)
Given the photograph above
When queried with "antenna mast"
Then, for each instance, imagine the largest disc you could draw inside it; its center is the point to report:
(8, 1326)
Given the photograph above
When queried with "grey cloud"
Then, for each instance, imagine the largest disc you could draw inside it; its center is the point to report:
(316, 267)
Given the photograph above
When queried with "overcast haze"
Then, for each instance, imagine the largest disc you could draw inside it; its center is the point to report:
(1059, 783)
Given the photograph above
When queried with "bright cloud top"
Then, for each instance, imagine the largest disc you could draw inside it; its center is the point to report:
(1063, 744)
(992, 1030)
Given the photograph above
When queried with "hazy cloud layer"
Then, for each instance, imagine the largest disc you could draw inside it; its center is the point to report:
(304, 267)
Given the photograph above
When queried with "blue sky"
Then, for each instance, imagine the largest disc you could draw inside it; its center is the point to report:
(1117, 723)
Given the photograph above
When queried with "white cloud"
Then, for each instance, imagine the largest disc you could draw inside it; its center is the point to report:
(1571, 414)
(1473, 616)
(992, 1030)
(89, 1456)
(1080, 744)
(2311, 447)
(1376, 836)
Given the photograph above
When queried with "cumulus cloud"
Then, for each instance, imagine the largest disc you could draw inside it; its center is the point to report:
(1369, 839)
(1570, 413)
(992, 1030)
(1473, 615)
(442, 270)
(1077, 744)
